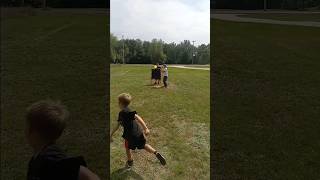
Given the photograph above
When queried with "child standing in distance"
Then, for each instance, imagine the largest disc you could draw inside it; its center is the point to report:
(165, 75)
(133, 135)
(153, 74)
(158, 74)
(46, 120)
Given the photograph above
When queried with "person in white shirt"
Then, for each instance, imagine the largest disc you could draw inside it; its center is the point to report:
(165, 75)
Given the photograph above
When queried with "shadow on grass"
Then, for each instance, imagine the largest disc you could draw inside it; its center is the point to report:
(124, 173)
(157, 87)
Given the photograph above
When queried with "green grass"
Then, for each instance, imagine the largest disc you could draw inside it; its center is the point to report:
(43, 58)
(198, 66)
(285, 17)
(266, 101)
(178, 118)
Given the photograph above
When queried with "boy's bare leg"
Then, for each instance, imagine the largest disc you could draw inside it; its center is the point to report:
(129, 154)
(149, 148)
(130, 159)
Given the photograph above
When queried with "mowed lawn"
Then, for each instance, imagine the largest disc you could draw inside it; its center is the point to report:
(178, 118)
(58, 57)
(266, 84)
(285, 16)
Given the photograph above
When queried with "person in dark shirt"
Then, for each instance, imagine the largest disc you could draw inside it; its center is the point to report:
(158, 74)
(153, 74)
(134, 130)
(46, 121)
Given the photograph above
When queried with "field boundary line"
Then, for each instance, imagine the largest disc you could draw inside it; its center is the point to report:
(238, 18)
(195, 68)
(53, 32)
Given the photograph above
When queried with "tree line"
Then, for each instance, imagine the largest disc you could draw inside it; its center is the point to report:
(58, 3)
(259, 4)
(136, 51)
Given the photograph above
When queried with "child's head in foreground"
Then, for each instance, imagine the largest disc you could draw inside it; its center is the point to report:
(124, 100)
(46, 120)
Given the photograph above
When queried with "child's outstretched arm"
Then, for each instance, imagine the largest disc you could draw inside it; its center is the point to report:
(86, 174)
(114, 130)
(143, 124)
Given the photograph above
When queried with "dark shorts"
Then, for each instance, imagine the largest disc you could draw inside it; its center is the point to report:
(158, 76)
(165, 78)
(135, 143)
(153, 76)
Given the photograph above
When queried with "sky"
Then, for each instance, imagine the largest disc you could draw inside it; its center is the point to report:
(169, 20)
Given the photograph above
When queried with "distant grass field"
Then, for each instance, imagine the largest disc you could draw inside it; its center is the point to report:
(178, 118)
(59, 57)
(266, 101)
(198, 66)
(285, 17)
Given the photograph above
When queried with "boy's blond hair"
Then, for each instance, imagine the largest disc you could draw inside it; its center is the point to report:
(48, 118)
(125, 99)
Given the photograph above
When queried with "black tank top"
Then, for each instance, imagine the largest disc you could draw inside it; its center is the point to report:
(131, 128)
(53, 164)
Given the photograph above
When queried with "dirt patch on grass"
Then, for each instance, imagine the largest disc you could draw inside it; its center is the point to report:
(197, 135)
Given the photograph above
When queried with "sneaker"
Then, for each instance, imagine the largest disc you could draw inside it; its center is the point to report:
(161, 159)
(129, 164)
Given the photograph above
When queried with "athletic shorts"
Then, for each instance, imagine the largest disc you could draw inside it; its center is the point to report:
(135, 143)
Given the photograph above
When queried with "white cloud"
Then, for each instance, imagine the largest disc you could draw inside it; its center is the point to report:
(169, 20)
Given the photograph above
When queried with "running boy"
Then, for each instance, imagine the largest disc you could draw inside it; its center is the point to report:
(132, 132)
(46, 120)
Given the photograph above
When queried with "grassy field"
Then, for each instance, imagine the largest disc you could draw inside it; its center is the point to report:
(59, 57)
(285, 17)
(266, 101)
(198, 66)
(178, 118)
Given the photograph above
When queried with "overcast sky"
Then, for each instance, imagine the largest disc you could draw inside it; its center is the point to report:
(169, 20)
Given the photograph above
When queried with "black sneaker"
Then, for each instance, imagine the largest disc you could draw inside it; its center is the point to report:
(161, 159)
(129, 164)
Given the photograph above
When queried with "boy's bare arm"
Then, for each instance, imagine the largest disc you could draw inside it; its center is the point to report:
(115, 129)
(86, 174)
(142, 123)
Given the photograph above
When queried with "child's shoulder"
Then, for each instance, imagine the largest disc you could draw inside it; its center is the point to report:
(52, 152)
(55, 154)
(127, 111)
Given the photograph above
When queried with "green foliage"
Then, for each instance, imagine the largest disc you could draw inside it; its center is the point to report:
(157, 51)
(203, 54)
